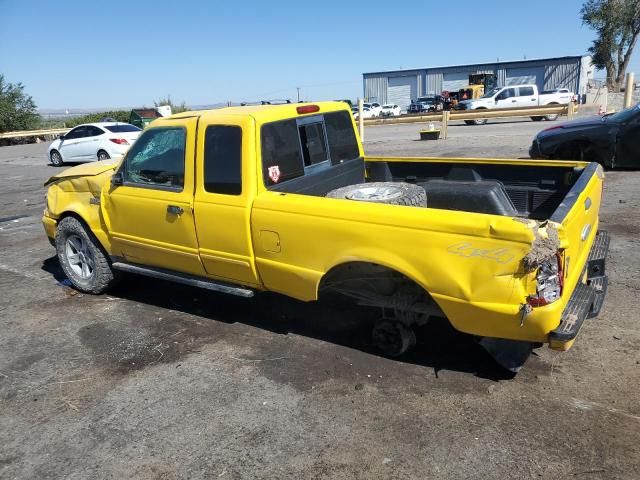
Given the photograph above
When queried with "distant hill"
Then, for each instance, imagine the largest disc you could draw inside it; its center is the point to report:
(62, 113)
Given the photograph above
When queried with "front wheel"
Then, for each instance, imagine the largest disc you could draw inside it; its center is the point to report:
(82, 258)
(56, 158)
(480, 121)
(537, 119)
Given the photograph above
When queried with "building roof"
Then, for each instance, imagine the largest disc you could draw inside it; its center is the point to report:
(497, 62)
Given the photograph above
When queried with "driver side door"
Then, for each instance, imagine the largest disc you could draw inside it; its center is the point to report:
(71, 145)
(628, 144)
(149, 207)
(506, 98)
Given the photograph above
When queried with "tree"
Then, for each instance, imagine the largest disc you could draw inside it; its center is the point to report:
(174, 107)
(17, 109)
(617, 24)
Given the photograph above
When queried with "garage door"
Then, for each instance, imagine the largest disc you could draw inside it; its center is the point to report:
(453, 82)
(401, 90)
(526, 75)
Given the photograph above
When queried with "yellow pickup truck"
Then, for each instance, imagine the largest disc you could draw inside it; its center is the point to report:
(283, 199)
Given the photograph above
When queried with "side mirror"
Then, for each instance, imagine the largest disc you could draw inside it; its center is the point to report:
(61, 137)
(117, 179)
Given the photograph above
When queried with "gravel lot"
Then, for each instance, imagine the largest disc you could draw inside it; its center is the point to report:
(160, 381)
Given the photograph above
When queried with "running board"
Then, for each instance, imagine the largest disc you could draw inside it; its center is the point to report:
(183, 278)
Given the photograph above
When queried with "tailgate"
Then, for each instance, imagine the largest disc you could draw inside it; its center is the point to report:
(578, 219)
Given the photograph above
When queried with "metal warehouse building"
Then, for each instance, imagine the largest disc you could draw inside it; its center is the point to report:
(401, 86)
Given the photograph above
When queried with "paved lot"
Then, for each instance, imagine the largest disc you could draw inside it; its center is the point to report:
(159, 381)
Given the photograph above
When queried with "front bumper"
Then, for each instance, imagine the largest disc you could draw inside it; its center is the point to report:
(587, 298)
(535, 151)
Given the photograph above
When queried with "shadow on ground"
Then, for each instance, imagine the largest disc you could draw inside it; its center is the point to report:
(169, 337)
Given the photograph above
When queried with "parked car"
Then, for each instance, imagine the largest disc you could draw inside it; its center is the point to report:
(612, 140)
(428, 103)
(390, 110)
(375, 108)
(307, 214)
(366, 112)
(513, 97)
(93, 141)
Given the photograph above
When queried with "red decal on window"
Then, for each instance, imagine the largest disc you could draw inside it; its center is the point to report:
(274, 173)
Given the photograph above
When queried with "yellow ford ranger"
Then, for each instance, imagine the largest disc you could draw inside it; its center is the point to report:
(282, 198)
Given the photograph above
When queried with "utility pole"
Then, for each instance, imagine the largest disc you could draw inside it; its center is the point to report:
(298, 89)
(628, 91)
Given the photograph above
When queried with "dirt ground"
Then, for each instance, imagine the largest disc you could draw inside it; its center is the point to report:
(161, 381)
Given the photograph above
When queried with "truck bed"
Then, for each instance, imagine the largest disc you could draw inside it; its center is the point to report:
(532, 191)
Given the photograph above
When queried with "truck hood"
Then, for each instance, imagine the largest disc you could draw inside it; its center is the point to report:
(471, 104)
(85, 170)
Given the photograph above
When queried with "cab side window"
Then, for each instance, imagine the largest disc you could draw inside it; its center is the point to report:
(223, 159)
(508, 93)
(156, 160)
(78, 132)
(94, 131)
(526, 91)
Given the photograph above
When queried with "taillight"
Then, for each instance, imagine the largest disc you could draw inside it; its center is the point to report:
(120, 141)
(549, 282)
(307, 109)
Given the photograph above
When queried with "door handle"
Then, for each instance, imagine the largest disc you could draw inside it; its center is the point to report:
(513, 101)
(175, 210)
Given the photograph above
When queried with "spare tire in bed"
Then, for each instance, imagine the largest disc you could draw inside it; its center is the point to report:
(393, 193)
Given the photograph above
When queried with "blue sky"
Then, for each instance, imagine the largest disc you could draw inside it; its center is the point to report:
(79, 54)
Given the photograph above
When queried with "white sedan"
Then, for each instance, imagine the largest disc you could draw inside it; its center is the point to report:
(390, 110)
(376, 108)
(93, 141)
(366, 112)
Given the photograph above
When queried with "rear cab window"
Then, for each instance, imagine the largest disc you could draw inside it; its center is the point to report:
(294, 147)
(122, 128)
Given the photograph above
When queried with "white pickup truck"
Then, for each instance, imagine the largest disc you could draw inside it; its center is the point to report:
(517, 96)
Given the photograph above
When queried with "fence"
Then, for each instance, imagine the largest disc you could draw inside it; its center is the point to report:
(445, 117)
(34, 133)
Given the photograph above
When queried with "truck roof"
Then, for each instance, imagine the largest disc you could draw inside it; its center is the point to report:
(264, 113)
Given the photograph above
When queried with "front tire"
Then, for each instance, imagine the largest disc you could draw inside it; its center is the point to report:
(82, 258)
(537, 119)
(56, 158)
(480, 121)
(102, 155)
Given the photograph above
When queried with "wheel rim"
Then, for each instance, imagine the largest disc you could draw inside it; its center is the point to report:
(103, 156)
(393, 338)
(56, 158)
(375, 193)
(79, 257)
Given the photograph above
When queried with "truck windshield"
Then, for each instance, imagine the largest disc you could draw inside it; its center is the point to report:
(491, 92)
(290, 150)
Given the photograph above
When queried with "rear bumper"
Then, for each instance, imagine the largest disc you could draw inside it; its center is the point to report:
(587, 298)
